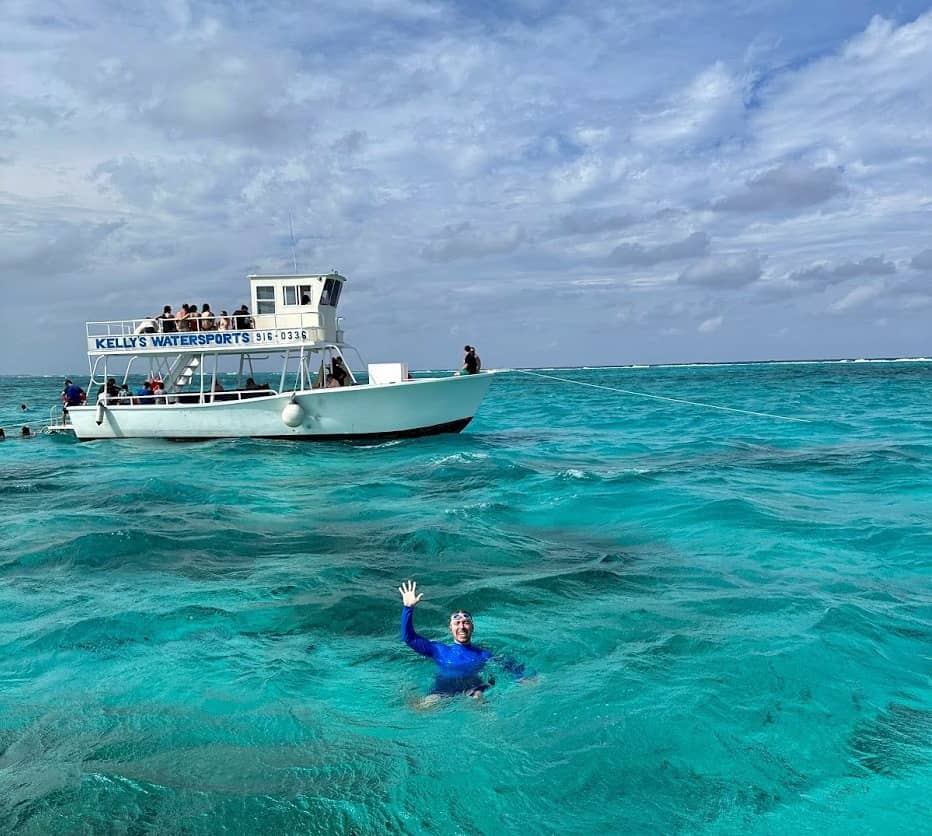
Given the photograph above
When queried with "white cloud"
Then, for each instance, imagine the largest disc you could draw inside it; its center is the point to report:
(856, 297)
(708, 326)
(723, 271)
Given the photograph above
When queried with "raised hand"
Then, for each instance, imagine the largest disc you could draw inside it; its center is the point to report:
(409, 594)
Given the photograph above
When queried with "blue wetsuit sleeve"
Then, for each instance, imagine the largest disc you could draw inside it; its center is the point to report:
(417, 643)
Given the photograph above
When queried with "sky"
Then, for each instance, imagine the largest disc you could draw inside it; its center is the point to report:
(592, 183)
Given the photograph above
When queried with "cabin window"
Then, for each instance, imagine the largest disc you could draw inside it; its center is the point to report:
(298, 294)
(265, 299)
(330, 295)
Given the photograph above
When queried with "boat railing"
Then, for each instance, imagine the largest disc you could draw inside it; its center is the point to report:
(310, 322)
(186, 398)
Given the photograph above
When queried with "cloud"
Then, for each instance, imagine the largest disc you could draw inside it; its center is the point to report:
(731, 271)
(693, 246)
(707, 109)
(52, 248)
(465, 241)
(708, 326)
(822, 275)
(857, 297)
(591, 221)
(922, 261)
(791, 185)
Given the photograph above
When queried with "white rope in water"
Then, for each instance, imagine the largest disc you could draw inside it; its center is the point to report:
(662, 398)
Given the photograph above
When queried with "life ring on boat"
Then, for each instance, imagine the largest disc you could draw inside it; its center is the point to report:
(293, 414)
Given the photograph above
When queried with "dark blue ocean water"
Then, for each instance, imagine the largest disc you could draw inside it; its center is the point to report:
(730, 616)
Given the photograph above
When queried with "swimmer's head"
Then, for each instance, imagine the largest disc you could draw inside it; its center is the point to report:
(461, 627)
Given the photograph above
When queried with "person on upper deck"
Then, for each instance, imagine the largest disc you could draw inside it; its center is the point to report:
(192, 321)
(223, 321)
(207, 322)
(166, 320)
(241, 319)
(146, 326)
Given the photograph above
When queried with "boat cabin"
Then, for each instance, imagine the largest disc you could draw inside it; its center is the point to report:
(306, 301)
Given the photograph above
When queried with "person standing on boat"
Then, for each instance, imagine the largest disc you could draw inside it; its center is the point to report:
(72, 395)
(460, 664)
(471, 362)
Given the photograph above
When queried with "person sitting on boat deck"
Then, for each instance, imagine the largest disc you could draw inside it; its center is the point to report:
(109, 390)
(242, 321)
(166, 320)
(207, 321)
(332, 382)
(458, 665)
(339, 371)
(471, 361)
(144, 394)
(255, 390)
(146, 326)
(193, 320)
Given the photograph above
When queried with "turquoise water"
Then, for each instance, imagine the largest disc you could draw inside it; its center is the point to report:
(730, 617)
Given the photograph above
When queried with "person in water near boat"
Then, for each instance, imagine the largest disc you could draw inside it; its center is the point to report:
(459, 665)
(471, 362)
(26, 432)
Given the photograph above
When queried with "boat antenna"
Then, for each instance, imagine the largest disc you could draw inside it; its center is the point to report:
(294, 256)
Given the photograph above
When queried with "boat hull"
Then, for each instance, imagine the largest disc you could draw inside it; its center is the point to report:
(401, 410)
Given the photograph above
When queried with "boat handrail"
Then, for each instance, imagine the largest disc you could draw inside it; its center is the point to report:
(185, 398)
(152, 325)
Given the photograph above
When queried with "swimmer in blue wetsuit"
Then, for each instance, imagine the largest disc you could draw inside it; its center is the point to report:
(458, 665)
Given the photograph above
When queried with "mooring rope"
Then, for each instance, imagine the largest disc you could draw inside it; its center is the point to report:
(663, 398)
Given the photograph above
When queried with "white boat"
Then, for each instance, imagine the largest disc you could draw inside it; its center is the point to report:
(205, 378)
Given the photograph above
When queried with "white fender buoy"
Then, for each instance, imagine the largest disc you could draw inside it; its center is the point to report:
(293, 414)
(100, 412)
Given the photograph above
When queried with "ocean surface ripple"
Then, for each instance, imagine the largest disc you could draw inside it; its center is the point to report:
(730, 617)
